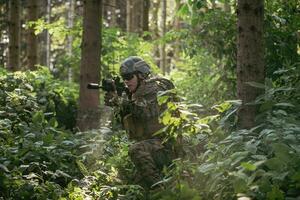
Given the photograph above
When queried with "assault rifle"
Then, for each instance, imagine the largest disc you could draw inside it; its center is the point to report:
(110, 85)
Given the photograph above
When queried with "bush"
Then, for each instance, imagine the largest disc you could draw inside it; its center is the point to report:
(37, 157)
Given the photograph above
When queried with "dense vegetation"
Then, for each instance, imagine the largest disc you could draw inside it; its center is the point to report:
(44, 156)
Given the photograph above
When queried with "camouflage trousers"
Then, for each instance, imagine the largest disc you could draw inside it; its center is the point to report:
(149, 157)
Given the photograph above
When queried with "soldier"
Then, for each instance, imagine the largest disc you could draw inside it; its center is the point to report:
(140, 117)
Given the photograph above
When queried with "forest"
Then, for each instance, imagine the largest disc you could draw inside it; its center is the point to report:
(235, 65)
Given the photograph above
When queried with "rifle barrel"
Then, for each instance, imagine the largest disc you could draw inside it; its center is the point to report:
(93, 86)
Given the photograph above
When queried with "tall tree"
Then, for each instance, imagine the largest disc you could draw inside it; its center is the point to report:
(134, 17)
(177, 26)
(44, 42)
(250, 57)
(14, 35)
(88, 116)
(121, 9)
(155, 29)
(32, 44)
(146, 9)
(163, 61)
(3, 34)
(70, 22)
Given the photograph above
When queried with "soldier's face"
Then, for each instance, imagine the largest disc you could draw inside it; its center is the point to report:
(131, 83)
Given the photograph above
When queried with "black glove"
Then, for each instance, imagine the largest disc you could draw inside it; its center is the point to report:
(111, 99)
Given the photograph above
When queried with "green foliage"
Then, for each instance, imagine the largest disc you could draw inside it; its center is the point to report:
(282, 23)
(58, 99)
(200, 80)
(209, 58)
(117, 46)
(261, 163)
(210, 47)
(108, 171)
(37, 158)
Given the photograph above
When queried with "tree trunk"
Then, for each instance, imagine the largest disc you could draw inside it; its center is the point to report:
(146, 8)
(121, 13)
(177, 26)
(135, 9)
(70, 22)
(128, 16)
(163, 32)
(155, 30)
(32, 43)
(250, 58)
(3, 33)
(45, 36)
(113, 22)
(88, 116)
(14, 35)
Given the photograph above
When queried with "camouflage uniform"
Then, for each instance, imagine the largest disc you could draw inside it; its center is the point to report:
(148, 153)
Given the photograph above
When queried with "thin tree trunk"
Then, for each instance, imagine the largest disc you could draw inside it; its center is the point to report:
(113, 22)
(135, 9)
(146, 8)
(155, 30)
(89, 115)
(45, 36)
(3, 28)
(121, 14)
(163, 46)
(14, 35)
(70, 22)
(32, 44)
(250, 58)
(48, 39)
(128, 16)
(177, 27)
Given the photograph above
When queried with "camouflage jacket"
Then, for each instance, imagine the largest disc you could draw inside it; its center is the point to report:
(141, 119)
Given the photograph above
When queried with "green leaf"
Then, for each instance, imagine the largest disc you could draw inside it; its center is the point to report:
(53, 122)
(162, 99)
(238, 156)
(222, 107)
(4, 168)
(256, 85)
(251, 147)
(38, 117)
(284, 104)
(204, 168)
(166, 118)
(239, 185)
(82, 168)
(275, 194)
(32, 175)
(248, 166)
(184, 10)
(275, 164)
(267, 105)
(282, 151)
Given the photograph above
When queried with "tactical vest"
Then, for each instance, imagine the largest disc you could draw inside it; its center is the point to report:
(143, 119)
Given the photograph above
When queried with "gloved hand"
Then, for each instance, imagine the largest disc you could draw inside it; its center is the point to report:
(111, 99)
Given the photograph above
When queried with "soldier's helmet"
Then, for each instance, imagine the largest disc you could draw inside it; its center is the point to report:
(133, 65)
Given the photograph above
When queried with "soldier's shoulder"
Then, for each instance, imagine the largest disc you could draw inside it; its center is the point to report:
(159, 83)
